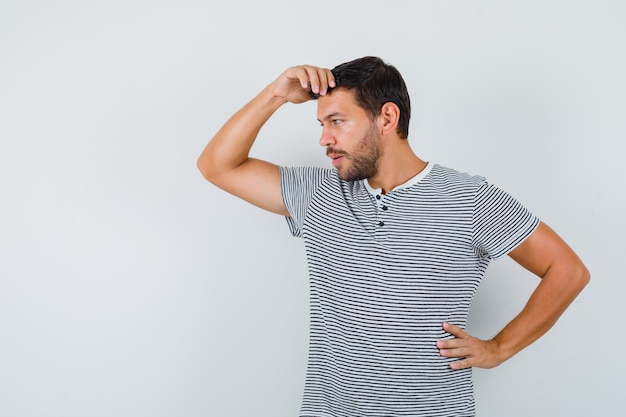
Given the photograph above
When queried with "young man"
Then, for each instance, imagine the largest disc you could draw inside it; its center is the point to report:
(396, 247)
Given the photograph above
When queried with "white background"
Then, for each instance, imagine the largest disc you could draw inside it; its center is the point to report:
(131, 287)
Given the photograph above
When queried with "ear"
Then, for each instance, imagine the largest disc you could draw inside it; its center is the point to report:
(389, 118)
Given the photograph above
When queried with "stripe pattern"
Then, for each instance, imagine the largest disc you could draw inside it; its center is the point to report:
(385, 272)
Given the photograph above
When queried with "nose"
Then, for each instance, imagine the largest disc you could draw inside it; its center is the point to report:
(327, 139)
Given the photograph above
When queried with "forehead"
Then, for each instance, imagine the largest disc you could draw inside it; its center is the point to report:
(339, 101)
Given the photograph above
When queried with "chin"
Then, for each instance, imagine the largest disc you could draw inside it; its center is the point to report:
(351, 176)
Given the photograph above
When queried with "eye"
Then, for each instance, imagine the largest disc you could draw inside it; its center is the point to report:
(336, 121)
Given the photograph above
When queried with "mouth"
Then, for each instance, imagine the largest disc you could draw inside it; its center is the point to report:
(335, 155)
(335, 158)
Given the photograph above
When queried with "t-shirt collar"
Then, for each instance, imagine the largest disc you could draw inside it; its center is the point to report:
(409, 183)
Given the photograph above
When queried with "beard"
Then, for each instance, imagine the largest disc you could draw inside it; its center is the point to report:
(363, 159)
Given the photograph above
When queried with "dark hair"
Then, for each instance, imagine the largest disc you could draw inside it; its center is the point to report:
(375, 83)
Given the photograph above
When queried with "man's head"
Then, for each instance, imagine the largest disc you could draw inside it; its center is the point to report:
(374, 83)
(352, 139)
(369, 102)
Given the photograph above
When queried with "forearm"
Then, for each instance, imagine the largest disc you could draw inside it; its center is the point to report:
(231, 145)
(558, 288)
(225, 161)
(563, 276)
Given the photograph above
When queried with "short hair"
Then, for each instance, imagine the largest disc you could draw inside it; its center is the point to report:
(375, 83)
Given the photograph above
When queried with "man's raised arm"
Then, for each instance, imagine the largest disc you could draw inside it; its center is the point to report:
(225, 161)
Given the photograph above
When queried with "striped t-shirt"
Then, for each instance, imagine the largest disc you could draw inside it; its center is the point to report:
(385, 272)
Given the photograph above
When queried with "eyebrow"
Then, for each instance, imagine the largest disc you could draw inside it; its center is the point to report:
(331, 115)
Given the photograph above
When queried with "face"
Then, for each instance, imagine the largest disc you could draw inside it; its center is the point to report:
(351, 139)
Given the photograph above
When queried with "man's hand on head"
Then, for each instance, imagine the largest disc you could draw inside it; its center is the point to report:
(302, 83)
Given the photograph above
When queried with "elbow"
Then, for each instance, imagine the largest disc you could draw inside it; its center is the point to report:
(581, 276)
(206, 168)
(585, 276)
(202, 167)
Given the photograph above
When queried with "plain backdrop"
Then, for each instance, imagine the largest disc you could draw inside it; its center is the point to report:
(131, 287)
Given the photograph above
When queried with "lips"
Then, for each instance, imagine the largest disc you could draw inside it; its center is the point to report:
(335, 155)
(336, 159)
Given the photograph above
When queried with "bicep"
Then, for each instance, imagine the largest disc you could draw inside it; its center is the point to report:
(257, 182)
(544, 250)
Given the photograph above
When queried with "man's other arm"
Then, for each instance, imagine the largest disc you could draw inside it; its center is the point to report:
(225, 161)
(563, 276)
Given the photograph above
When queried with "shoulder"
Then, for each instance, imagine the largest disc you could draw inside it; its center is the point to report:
(304, 174)
(451, 181)
(442, 173)
(304, 180)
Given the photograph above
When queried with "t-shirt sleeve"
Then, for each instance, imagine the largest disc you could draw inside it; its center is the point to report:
(298, 186)
(500, 222)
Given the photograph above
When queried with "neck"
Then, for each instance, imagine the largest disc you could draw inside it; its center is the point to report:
(397, 165)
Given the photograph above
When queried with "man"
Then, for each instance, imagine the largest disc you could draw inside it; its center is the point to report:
(396, 247)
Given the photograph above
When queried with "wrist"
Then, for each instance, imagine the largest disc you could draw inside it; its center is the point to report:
(501, 350)
(272, 98)
(266, 103)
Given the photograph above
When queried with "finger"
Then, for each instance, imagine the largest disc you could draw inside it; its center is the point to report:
(456, 352)
(454, 330)
(331, 79)
(461, 364)
(302, 76)
(313, 78)
(327, 80)
(451, 343)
